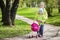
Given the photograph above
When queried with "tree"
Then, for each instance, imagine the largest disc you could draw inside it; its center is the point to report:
(13, 10)
(8, 12)
(2, 6)
(48, 7)
(50, 4)
(59, 5)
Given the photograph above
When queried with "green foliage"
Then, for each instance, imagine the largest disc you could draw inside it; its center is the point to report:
(52, 3)
(30, 13)
(27, 12)
(55, 20)
(20, 28)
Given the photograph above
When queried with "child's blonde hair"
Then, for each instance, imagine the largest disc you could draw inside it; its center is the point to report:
(42, 3)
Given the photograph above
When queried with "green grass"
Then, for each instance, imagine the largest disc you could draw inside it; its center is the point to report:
(27, 12)
(20, 28)
(30, 13)
(55, 20)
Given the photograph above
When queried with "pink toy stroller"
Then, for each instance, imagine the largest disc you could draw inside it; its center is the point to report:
(34, 27)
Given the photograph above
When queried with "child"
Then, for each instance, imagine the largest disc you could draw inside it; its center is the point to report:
(41, 17)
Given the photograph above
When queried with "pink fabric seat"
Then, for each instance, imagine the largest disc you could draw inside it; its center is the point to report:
(35, 27)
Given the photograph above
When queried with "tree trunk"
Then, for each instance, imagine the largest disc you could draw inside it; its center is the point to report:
(13, 10)
(59, 9)
(7, 20)
(2, 6)
(8, 12)
(59, 5)
(48, 8)
(49, 11)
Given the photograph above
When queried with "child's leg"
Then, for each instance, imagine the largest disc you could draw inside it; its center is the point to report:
(40, 32)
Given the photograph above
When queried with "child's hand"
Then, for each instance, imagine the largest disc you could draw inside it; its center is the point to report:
(39, 21)
(39, 13)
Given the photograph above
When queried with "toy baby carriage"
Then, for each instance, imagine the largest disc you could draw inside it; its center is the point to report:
(34, 27)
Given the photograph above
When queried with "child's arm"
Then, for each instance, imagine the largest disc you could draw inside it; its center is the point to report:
(45, 15)
(36, 16)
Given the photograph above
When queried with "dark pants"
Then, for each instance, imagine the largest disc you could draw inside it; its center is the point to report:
(40, 32)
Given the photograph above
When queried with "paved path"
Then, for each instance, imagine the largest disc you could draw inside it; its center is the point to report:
(50, 32)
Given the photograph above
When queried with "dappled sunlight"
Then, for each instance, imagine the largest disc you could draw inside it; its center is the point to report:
(16, 17)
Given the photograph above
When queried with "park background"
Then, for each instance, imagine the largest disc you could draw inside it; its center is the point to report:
(26, 8)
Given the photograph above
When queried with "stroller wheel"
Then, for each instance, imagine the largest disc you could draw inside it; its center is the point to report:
(29, 37)
(32, 36)
(36, 36)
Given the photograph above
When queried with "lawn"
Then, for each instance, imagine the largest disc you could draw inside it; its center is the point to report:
(55, 20)
(27, 12)
(20, 28)
(30, 13)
